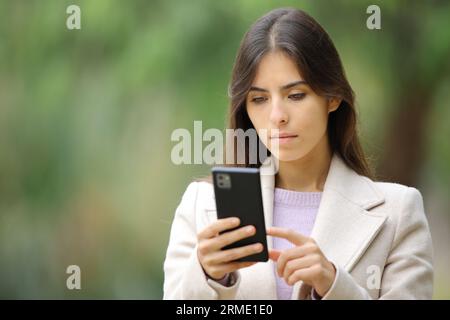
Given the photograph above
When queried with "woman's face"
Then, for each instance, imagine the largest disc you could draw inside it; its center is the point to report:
(280, 99)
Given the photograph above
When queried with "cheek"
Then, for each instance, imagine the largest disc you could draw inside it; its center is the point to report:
(258, 118)
(313, 120)
(260, 121)
(253, 116)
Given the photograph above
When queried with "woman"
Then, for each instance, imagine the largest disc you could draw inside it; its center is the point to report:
(333, 233)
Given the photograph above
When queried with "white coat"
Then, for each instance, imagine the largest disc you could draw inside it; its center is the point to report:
(375, 233)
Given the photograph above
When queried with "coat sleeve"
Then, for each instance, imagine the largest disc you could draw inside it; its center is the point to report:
(184, 277)
(408, 273)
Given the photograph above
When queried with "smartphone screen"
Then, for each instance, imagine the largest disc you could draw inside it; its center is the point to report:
(238, 194)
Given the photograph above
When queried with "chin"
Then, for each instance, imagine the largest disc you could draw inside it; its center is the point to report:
(288, 155)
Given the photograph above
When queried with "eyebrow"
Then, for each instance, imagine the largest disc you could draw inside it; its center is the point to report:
(286, 86)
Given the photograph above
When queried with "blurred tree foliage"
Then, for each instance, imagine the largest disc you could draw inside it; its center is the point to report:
(86, 117)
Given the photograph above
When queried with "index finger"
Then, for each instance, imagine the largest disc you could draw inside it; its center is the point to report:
(288, 234)
(218, 226)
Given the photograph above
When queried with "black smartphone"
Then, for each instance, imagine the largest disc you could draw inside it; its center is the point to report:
(238, 194)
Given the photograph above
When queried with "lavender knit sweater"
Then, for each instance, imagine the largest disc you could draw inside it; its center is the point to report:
(297, 211)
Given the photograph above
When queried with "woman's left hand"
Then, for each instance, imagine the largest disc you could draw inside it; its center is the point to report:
(304, 262)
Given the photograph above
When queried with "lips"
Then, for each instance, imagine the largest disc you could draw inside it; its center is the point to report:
(284, 135)
(284, 138)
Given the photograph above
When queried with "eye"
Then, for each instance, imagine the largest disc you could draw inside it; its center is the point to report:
(297, 96)
(258, 100)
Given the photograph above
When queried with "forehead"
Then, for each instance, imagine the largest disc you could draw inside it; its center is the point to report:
(276, 68)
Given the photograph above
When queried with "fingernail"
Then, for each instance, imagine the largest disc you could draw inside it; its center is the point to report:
(249, 229)
(235, 221)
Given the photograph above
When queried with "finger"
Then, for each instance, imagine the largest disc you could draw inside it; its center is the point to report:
(218, 226)
(230, 255)
(230, 237)
(292, 253)
(306, 275)
(274, 254)
(288, 234)
(234, 266)
(298, 264)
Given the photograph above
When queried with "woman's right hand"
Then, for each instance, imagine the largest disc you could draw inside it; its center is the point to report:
(218, 263)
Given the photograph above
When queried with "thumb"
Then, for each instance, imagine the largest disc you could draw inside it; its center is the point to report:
(274, 254)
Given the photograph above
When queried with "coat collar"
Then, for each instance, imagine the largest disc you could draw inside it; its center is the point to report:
(340, 179)
(344, 226)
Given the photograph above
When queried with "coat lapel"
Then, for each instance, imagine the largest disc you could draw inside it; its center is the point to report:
(267, 175)
(344, 226)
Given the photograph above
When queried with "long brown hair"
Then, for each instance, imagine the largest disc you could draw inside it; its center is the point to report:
(303, 39)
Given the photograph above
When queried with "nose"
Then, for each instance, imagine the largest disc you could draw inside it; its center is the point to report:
(278, 114)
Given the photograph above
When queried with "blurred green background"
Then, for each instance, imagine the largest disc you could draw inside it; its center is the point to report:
(86, 117)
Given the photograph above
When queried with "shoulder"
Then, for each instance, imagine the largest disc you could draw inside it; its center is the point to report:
(403, 204)
(195, 188)
(196, 200)
(197, 192)
(398, 195)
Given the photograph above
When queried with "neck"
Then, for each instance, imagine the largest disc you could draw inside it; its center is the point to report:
(307, 174)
